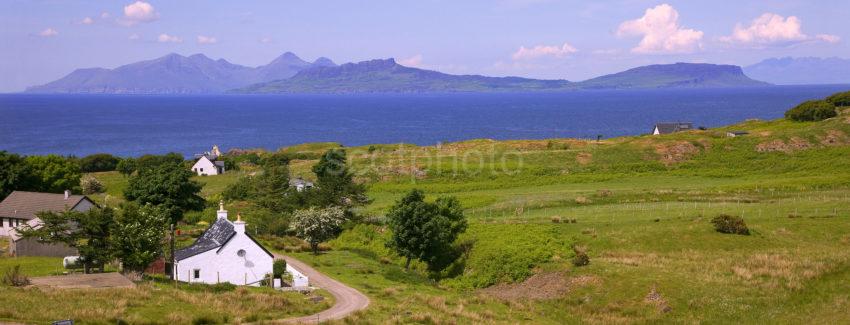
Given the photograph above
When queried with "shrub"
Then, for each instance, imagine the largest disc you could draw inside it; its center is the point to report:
(222, 287)
(813, 110)
(205, 319)
(14, 277)
(239, 190)
(99, 162)
(730, 225)
(91, 185)
(278, 268)
(580, 258)
(840, 99)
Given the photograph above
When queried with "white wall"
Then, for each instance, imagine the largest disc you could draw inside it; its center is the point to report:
(206, 165)
(226, 265)
(299, 280)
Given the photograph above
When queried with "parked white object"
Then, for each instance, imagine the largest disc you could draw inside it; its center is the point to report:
(71, 262)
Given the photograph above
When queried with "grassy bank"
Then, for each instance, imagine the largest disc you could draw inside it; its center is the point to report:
(640, 206)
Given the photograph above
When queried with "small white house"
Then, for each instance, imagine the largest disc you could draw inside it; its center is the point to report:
(667, 128)
(300, 184)
(208, 165)
(224, 253)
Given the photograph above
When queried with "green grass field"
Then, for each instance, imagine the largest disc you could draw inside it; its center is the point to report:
(640, 206)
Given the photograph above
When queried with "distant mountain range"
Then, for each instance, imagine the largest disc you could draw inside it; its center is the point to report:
(177, 74)
(805, 70)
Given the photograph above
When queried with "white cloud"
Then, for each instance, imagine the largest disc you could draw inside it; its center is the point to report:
(828, 38)
(539, 51)
(104, 15)
(206, 39)
(772, 29)
(133, 37)
(50, 32)
(413, 61)
(661, 32)
(87, 21)
(139, 12)
(165, 38)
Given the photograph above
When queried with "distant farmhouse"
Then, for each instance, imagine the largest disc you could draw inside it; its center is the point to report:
(667, 128)
(208, 164)
(224, 253)
(733, 134)
(21, 207)
(300, 184)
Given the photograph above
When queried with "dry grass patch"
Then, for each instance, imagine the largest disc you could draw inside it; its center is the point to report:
(541, 286)
(787, 270)
(633, 258)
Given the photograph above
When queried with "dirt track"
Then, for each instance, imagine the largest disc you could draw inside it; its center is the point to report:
(347, 299)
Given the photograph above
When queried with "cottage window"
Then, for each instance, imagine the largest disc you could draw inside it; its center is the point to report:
(240, 253)
(196, 273)
(202, 170)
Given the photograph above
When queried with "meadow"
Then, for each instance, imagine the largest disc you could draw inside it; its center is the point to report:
(639, 206)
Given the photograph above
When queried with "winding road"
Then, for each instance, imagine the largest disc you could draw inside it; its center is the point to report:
(347, 299)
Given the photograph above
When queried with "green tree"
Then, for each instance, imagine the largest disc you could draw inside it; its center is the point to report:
(153, 161)
(126, 166)
(168, 185)
(270, 187)
(318, 225)
(13, 173)
(335, 182)
(142, 236)
(52, 173)
(89, 232)
(99, 162)
(425, 231)
(91, 185)
(813, 110)
(840, 99)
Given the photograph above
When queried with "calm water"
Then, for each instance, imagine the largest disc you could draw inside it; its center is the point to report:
(133, 125)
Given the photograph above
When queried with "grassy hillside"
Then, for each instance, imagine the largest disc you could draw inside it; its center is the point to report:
(640, 206)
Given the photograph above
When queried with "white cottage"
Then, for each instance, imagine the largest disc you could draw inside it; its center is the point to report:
(208, 163)
(224, 253)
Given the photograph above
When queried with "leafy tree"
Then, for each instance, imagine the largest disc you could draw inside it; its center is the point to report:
(52, 173)
(813, 110)
(425, 231)
(126, 166)
(168, 185)
(318, 225)
(335, 181)
(840, 99)
(99, 162)
(91, 185)
(153, 161)
(142, 233)
(240, 190)
(270, 187)
(89, 232)
(13, 173)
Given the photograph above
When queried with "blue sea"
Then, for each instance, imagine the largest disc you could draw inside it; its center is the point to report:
(130, 125)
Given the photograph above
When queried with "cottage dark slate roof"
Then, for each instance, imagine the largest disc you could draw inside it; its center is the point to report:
(24, 205)
(218, 234)
(666, 128)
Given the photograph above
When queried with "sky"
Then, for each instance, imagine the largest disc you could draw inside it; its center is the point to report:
(43, 40)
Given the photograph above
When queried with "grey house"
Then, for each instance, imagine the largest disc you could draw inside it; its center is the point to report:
(667, 128)
(21, 208)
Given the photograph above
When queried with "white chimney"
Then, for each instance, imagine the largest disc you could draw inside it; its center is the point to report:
(222, 213)
(67, 194)
(239, 225)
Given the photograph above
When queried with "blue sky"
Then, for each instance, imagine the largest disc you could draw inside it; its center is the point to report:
(43, 40)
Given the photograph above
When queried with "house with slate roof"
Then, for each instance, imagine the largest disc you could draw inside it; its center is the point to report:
(22, 207)
(225, 252)
(208, 163)
(667, 128)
